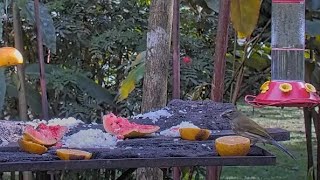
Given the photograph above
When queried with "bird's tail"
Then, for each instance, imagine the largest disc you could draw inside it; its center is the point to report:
(283, 149)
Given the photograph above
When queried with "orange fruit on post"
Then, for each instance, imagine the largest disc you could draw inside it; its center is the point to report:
(10, 56)
(31, 147)
(232, 146)
(73, 154)
(194, 134)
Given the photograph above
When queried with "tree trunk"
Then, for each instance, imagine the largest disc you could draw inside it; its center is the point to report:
(158, 55)
(18, 43)
(156, 74)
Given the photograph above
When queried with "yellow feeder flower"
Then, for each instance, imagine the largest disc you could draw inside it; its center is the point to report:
(309, 87)
(285, 87)
(265, 87)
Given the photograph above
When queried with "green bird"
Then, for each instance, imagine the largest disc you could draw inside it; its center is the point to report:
(244, 126)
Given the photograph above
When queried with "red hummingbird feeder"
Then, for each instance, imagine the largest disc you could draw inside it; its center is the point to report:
(287, 87)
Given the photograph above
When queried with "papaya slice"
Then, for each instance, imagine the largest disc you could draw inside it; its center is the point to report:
(194, 134)
(122, 128)
(31, 134)
(73, 154)
(232, 146)
(31, 147)
(10, 56)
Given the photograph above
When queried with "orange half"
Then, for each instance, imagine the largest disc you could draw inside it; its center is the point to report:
(232, 146)
(73, 154)
(31, 147)
(10, 56)
(194, 134)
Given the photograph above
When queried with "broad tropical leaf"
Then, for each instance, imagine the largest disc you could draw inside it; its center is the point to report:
(47, 26)
(213, 4)
(244, 16)
(2, 87)
(33, 99)
(84, 83)
(140, 58)
(312, 27)
(93, 89)
(128, 84)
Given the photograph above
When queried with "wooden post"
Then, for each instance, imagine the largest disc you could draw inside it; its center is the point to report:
(44, 99)
(176, 49)
(220, 52)
(217, 86)
(176, 63)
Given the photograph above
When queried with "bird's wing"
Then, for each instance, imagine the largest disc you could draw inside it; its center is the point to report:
(252, 127)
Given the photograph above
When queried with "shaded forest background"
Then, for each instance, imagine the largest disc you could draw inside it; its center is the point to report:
(94, 53)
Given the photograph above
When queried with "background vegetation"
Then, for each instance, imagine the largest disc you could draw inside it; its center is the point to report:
(94, 51)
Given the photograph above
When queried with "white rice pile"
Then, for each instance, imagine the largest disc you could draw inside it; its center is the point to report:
(174, 130)
(68, 122)
(91, 138)
(154, 115)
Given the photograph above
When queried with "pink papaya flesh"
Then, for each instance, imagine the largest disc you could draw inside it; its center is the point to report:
(31, 134)
(55, 131)
(43, 134)
(121, 127)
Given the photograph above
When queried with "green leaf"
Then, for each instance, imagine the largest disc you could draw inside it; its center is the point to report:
(2, 13)
(47, 26)
(140, 58)
(312, 27)
(33, 69)
(213, 4)
(2, 87)
(33, 96)
(33, 99)
(310, 173)
(84, 83)
(258, 62)
(93, 89)
(244, 16)
(128, 84)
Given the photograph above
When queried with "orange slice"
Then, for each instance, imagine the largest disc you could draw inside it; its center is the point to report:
(38, 138)
(194, 134)
(232, 146)
(10, 56)
(31, 147)
(73, 154)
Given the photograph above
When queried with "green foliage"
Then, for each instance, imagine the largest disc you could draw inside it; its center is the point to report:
(137, 68)
(72, 93)
(244, 16)
(213, 4)
(2, 13)
(47, 27)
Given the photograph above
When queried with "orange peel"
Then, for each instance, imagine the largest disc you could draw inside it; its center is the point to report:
(73, 154)
(194, 134)
(10, 56)
(31, 147)
(232, 146)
